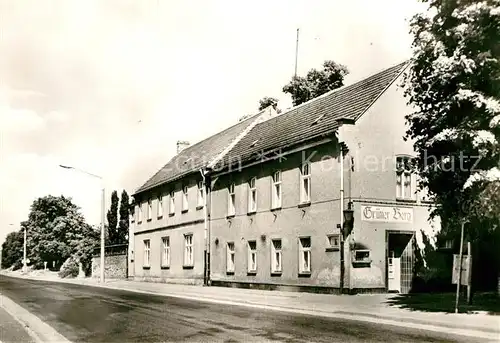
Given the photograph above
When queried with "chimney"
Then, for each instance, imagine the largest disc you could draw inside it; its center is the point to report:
(181, 145)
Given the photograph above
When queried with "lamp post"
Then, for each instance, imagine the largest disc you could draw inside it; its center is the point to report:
(102, 213)
(25, 266)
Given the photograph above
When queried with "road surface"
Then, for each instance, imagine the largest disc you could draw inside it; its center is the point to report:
(93, 314)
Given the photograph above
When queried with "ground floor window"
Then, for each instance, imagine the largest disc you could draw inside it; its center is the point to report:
(147, 253)
(230, 257)
(188, 250)
(362, 256)
(252, 256)
(276, 256)
(165, 258)
(305, 255)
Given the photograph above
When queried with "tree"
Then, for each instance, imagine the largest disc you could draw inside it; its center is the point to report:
(112, 216)
(454, 84)
(12, 250)
(84, 248)
(316, 82)
(124, 218)
(55, 230)
(266, 101)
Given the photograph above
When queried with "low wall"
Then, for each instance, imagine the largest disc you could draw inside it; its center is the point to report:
(115, 262)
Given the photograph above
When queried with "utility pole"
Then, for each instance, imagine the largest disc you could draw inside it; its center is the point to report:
(469, 273)
(102, 233)
(296, 53)
(342, 229)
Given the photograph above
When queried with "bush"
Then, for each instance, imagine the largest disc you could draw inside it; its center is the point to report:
(70, 268)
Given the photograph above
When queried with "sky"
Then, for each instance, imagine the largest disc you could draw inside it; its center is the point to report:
(109, 87)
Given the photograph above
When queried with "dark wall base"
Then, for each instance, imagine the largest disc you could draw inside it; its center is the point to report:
(294, 288)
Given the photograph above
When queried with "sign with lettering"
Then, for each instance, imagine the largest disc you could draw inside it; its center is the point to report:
(465, 276)
(387, 214)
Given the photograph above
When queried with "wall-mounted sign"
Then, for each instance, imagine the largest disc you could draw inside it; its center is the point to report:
(387, 214)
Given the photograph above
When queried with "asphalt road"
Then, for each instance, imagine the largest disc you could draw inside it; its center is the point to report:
(92, 314)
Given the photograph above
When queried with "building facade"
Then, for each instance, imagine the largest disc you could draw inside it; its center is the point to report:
(168, 233)
(277, 195)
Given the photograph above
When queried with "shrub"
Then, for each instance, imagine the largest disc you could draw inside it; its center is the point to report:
(69, 268)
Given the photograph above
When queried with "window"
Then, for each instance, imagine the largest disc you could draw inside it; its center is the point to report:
(201, 194)
(276, 256)
(160, 206)
(252, 256)
(150, 209)
(305, 255)
(185, 199)
(230, 257)
(305, 183)
(404, 178)
(165, 256)
(147, 253)
(252, 196)
(333, 242)
(231, 201)
(139, 213)
(188, 250)
(171, 207)
(361, 256)
(276, 190)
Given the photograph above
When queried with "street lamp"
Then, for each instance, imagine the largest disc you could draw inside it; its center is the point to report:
(102, 213)
(348, 218)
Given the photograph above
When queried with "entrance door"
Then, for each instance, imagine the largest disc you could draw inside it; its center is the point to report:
(394, 273)
(400, 262)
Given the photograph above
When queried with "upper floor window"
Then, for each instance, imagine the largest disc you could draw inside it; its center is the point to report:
(201, 194)
(171, 207)
(231, 201)
(185, 205)
(276, 190)
(139, 213)
(150, 209)
(305, 183)
(160, 206)
(404, 178)
(252, 195)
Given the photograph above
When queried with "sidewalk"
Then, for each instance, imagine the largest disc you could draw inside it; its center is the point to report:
(11, 330)
(371, 307)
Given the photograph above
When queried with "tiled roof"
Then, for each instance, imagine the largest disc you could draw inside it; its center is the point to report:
(313, 119)
(199, 155)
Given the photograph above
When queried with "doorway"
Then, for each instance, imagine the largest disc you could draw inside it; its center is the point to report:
(400, 260)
